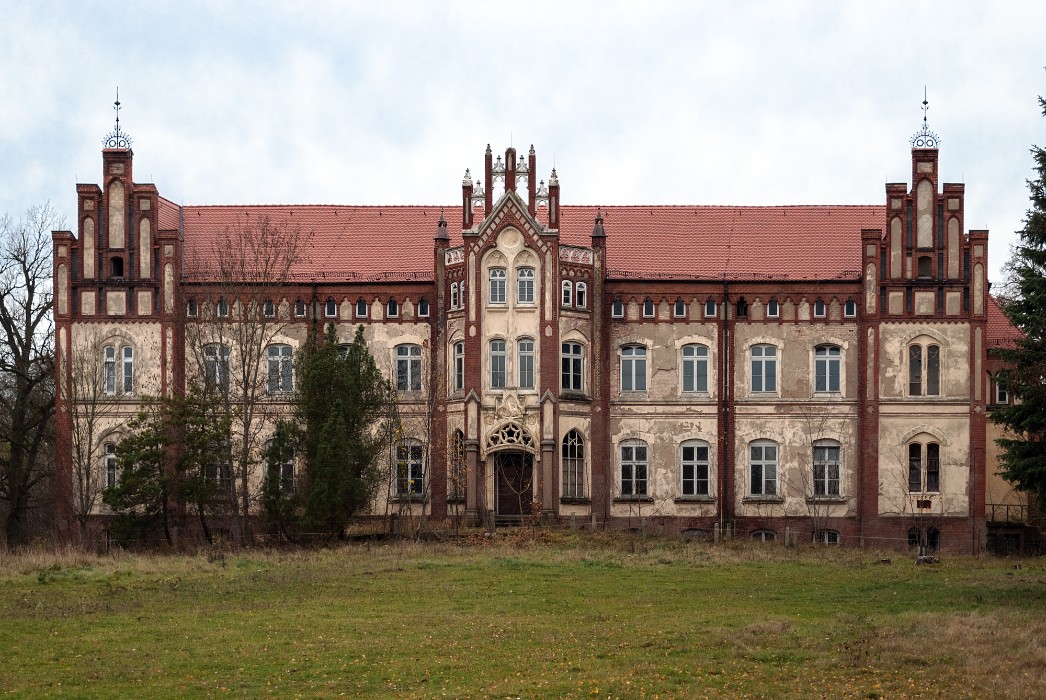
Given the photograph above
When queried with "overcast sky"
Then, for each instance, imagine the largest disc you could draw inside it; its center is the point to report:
(635, 103)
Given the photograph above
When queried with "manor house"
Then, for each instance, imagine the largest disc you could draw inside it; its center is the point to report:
(751, 370)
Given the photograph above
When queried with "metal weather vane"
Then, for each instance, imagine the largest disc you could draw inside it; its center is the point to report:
(924, 138)
(117, 138)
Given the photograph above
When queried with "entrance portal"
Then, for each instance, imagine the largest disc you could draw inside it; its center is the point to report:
(513, 483)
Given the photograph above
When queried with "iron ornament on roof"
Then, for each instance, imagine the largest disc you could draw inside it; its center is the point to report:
(117, 138)
(924, 138)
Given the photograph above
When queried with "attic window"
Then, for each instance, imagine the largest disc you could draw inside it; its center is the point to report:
(648, 308)
(299, 309)
(773, 309)
(819, 309)
(423, 308)
(850, 310)
(269, 309)
(392, 309)
(710, 309)
(679, 309)
(223, 308)
(361, 308)
(617, 309)
(742, 308)
(191, 310)
(330, 309)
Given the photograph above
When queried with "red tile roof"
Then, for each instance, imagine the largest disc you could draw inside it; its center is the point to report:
(691, 242)
(167, 215)
(1000, 331)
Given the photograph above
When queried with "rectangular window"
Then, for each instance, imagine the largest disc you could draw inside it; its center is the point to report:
(695, 368)
(915, 370)
(763, 467)
(362, 309)
(633, 368)
(581, 295)
(109, 370)
(826, 369)
(933, 467)
(526, 364)
(567, 289)
(110, 466)
(915, 467)
(459, 366)
(128, 369)
(1002, 392)
(633, 470)
(764, 368)
(408, 368)
(572, 365)
(497, 364)
(694, 468)
(280, 369)
(933, 370)
(454, 295)
(410, 473)
(826, 470)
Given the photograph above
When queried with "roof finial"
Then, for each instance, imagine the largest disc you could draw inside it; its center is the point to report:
(117, 138)
(924, 138)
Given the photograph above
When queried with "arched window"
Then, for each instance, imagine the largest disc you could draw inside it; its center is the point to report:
(410, 469)
(423, 308)
(459, 366)
(525, 362)
(617, 309)
(762, 465)
(827, 360)
(742, 308)
(497, 285)
(764, 368)
(525, 285)
(111, 467)
(573, 465)
(457, 479)
(497, 364)
(693, 468)
(454, 295)
(820, 309)
(710, 310)
(850, 308)
(280, 369)
(633, 368)
(924, 370)
(408, 368)
(392, 309)
(567, 293)
(773, 309)
(330, 308)
(128, 370)
(113, 383)
(695, 368)
(924, 467)
(573, 361)
(826, 459)
(299, 308)
(633, 471)
(581, 295)
(648, 308)
(362, 308)
(679, 309)
(269, 309)
(216, 366)
(109, 369)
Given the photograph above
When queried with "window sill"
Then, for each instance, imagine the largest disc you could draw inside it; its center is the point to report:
(576, 501)
(641, 394)
(828, 394)
(827, 499)
(683, 500)
(573, 395)
(413, 498)
(763, 499)
(633, 499)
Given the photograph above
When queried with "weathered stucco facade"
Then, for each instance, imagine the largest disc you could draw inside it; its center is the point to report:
(809, 372)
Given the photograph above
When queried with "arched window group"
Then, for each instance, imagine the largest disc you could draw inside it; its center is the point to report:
(573, 466)
(118, 370)
(924, 467)
(924, 369)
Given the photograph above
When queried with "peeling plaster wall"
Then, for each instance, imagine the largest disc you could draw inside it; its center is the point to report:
(954, 341)
(952, 432)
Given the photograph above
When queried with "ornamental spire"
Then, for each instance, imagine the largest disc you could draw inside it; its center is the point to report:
(924, 138)
(117, 138)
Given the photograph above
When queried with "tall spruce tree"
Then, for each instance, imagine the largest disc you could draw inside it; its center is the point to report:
(1024, 454)
(344, 410)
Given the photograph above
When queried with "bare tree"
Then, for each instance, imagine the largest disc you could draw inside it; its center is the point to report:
(245, 270)
(90, 405)
(26, 364)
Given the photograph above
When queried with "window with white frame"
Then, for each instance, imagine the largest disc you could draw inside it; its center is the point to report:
(693, 468)
(762, 468)
(497, 364)
(122, 382)
(826, 460)
(497, 285)
(679, 309)
(459, 366)
(462, 299)
(773, 309)
(573, 465)
(573, 361)
(567, 293)
(827, 361)
(710, 310)
(850, 308)
(924, 467)
(281, 376)
(299, 309)
(281, 469)
(924, 370)
(695, 368)
(525, 362)
(362, 308)
(581, 295)
(820, 310)
(269, 309)
(112, 473)
(408, 367)
(525, 285)
(109, 369)
(649, 308)
(633, 368)
(216, 366)
(617, 309)
(1002, 391)
(423, 307)
(827, 537)
(453, 295)
(410, 469)
(392, 308)
(330, 308)
(223, 308)
(633, 471)
(764, 368)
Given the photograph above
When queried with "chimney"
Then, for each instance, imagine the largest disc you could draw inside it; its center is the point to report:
(466, 201)
(553, 200)
(510, 169)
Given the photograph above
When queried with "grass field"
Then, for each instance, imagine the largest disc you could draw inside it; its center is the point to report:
(528, 615)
